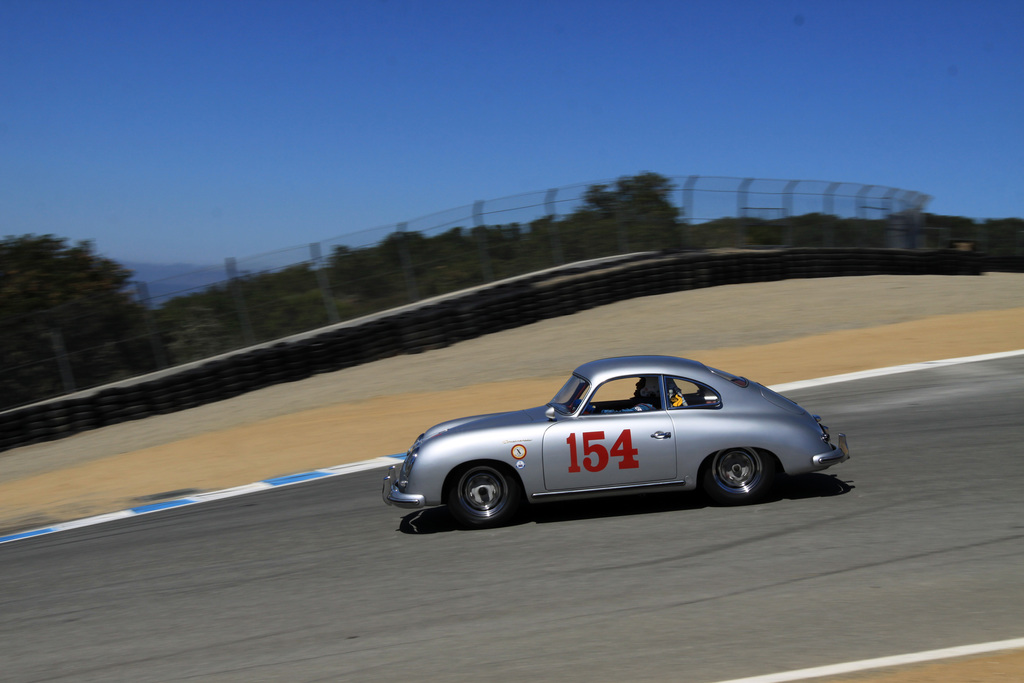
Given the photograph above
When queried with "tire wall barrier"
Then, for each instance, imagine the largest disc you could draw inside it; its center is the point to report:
(482, 311)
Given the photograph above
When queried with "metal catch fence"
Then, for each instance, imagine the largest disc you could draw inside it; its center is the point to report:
(256, 299)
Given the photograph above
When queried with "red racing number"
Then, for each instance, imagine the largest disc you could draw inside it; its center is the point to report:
(596, 455)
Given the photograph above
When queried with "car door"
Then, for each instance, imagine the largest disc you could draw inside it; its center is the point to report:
(612, 443)
(699, 425)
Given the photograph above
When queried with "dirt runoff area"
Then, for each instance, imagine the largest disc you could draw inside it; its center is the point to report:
(772, 332)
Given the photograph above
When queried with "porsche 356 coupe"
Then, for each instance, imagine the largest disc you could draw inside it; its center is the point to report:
(618, 425)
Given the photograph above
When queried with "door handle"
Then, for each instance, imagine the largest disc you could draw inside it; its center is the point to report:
(661, 435)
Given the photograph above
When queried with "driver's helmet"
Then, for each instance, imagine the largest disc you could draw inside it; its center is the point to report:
(647, 387)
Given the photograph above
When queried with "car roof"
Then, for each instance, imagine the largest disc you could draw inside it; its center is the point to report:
(599, 371)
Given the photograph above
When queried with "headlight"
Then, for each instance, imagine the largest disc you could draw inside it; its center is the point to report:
(410, 460)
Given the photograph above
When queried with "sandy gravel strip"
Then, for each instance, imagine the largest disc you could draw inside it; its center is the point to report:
(775, 333)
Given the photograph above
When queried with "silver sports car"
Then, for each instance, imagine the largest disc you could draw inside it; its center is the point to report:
(619, 425)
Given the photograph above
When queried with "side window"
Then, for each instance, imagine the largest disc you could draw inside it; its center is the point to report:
(626, 395)
(684, 393)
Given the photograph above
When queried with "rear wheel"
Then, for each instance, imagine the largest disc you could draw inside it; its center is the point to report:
(736, 476)
(483, 496)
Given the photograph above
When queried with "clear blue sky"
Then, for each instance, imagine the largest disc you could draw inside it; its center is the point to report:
(190, 131)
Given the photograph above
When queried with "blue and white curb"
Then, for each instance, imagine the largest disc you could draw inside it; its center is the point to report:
(264, 485)
(388, 460)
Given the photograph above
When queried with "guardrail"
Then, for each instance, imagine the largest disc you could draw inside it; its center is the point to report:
(458, 317)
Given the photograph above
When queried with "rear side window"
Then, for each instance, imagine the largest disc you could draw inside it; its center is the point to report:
(685, 393)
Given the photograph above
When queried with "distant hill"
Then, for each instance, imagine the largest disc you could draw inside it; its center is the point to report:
(165, 281)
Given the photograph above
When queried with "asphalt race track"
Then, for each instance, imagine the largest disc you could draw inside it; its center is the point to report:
(916, 543)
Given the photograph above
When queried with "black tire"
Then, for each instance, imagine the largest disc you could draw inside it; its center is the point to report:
(739, 476)
(484, 496)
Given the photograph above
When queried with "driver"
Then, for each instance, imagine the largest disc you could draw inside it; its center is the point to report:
(647, 394)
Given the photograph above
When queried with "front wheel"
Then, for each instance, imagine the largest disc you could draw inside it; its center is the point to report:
(737, 476)
(483, 496)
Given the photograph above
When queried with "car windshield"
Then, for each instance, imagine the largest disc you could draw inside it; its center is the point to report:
(568, 397)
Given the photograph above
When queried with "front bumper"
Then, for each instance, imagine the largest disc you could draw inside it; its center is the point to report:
(392, 496)
(838, 454)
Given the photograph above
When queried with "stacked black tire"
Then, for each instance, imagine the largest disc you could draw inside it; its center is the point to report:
(441, 323)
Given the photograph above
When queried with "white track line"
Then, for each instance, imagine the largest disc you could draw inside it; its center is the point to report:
(894, 370)
(883, 662)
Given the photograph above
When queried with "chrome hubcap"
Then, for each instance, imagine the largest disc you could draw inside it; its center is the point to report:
(483, 491)
(737, 470)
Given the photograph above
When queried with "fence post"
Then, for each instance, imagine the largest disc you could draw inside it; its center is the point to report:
(556, 239)
(861, 210)
(787, 209)
(829, 209)
(231, 266)
(829, 202)
(888, 200)
(900, 200)
(61, 354)
(317, 258)
(623, 223)
(742, 200)
(481, 240)
(915, 206)
(159, 355)
(688, 210)
(920, 202)
(410, 275)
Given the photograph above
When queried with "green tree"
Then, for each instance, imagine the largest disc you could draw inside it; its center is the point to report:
(1002, 236)
(65, 319)
(634, 214)
(995, 236)
(276, 304)
(38, 272)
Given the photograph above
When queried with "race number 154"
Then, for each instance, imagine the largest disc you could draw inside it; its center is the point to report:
(596, 454)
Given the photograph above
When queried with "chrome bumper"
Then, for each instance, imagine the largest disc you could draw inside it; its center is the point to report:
(838, 454)
(392, 496)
